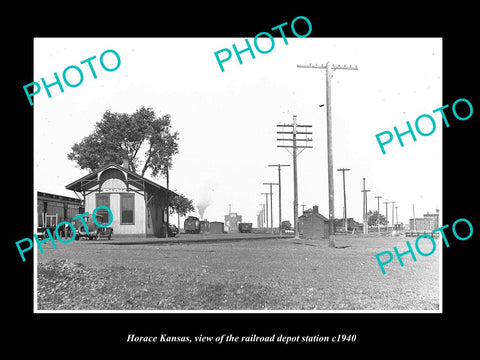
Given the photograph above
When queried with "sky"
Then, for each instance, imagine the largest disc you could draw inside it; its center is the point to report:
(227, 120)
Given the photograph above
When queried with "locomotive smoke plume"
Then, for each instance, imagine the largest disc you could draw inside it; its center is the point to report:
(201, 208)
(204, 201)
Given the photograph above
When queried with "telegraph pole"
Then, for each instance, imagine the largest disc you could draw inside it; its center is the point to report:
(279, 196)
(294, 132)
(393, 215)
(386, 211)
(414, 226)
(378, 212)
(344, 199)
(365, 206)
(266, 209)
(329, 67)
(396, 210)
(271, 204)
(263, 213)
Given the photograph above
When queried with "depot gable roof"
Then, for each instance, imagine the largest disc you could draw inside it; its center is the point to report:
(86, 181)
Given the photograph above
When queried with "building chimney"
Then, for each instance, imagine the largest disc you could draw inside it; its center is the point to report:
(315, 209)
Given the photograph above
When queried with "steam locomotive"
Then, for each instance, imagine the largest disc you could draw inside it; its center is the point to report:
(194, 225)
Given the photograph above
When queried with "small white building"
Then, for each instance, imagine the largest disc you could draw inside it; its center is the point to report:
(138, 205)
(231, 222)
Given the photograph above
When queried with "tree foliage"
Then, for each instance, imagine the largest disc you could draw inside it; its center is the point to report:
(286, 225)
(119, 136)
(180, 204)
(373, 216)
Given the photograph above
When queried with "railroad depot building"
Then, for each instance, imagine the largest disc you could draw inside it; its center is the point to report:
(138, 205)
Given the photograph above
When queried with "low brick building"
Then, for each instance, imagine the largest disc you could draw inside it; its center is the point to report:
(429, 222)
(313, 225)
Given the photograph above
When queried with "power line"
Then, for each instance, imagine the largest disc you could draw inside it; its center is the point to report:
(266, 208)
(279, 196)
(378, 211)
(344, 199)
(271, 204)
(414, 220)
(329, 67)
(396, 210)
(386, 211)
(294, 146)
(393, 215)
(262, 212)
(365, 207)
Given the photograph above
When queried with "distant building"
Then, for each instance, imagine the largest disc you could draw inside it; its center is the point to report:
(352, 225)
(429, 222)
(53, 209)
(216, 227)
(313, 225)
(231, 222)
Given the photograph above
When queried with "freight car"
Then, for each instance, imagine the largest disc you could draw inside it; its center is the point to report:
(192, 225)
(245, 227)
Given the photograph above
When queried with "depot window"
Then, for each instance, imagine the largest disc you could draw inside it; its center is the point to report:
(102, 215)
(127, 206)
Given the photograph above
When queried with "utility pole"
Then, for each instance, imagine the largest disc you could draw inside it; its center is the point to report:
(263, 213)
(365, 207)
(344, 199)
(271, 204)
(303, 208)
(266, 209)
(396, 210)
(414, 225)
(279, 196)
(393, 215)
(294, 132)
(329, 67)
(386, 211)
(378, 212)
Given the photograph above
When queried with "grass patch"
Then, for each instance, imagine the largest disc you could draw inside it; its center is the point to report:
(259, 275)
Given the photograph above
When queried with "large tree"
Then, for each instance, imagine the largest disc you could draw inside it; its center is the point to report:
(119, 136)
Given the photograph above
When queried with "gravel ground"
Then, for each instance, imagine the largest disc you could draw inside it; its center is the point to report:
(272, 274)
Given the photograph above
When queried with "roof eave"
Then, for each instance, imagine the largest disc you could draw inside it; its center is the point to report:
(74, 186)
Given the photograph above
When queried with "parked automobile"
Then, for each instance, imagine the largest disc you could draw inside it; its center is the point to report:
(172, 230)
(94, 231)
